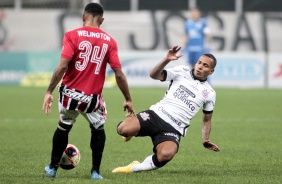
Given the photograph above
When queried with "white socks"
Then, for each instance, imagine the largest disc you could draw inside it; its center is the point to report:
(146, 165)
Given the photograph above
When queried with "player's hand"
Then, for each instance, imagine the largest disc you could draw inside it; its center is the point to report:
(211, 146)
(47, 103)
(172, 53)
(127, 105)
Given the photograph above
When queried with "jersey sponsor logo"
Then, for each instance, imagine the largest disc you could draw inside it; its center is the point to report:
(182, 93)
(170, 116)
(73, 99)
(191, 106)
(77, 95)
(145, 116)
(172, 135)
(182, 90)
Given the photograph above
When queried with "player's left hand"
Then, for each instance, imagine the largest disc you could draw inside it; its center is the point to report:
(172, 54)
(211, 146)
(127, 105)
(47, 103)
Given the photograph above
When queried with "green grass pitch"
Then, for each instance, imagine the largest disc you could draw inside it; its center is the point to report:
(247, 126)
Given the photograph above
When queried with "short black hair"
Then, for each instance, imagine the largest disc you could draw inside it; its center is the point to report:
(212, 57)
(94, 9)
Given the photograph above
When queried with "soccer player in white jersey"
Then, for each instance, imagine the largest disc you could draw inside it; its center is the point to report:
(166, 121)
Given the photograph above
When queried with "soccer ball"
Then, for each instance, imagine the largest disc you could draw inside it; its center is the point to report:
(70, 158)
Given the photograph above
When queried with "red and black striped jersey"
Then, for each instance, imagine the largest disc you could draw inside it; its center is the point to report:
(89, 50)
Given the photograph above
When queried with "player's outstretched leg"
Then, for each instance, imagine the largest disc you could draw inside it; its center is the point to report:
(126, 169)
(164, 151)
(150, 163)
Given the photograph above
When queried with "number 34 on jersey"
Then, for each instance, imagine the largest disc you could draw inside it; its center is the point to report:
(84, 57)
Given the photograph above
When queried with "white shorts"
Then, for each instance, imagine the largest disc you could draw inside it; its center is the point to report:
(96, 118)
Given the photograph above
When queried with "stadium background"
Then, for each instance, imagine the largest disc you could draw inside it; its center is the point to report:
(244, 38)
(248, 81)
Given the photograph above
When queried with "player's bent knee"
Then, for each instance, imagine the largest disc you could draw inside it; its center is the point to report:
(166, 150)
(165, 155)
(128, 128)
(120, 130)
(123, 130)
(64, 127)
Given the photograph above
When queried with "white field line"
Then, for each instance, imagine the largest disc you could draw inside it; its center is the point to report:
(23, 120)
(238, 119)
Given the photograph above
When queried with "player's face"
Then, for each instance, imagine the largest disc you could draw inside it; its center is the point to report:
(204, 67)
(195, 14)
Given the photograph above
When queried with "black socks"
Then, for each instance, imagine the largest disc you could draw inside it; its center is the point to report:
(60, 142)
(97, 144)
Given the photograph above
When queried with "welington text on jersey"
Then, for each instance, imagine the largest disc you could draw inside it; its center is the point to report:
(93, 34)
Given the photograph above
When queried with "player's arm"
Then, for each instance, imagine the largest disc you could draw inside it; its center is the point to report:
(58, 74)
(123, 86)
(56, 78)
(157, 72)
(206, 129)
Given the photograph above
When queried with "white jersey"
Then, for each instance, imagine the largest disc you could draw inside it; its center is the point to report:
(184, 98)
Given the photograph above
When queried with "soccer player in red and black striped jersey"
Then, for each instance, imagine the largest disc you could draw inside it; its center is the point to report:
(82, 68)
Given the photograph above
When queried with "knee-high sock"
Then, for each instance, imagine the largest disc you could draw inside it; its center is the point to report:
(146, 165)
(97, 144)
(60, 142)
(150, 163)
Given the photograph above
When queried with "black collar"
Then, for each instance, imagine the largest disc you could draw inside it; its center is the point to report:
(195, 78)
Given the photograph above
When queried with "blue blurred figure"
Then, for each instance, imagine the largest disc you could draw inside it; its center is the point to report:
(197, 33)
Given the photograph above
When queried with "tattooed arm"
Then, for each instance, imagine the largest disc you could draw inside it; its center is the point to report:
(56, 78)
(206, 129)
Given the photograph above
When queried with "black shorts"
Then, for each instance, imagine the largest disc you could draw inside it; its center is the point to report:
(155, 127)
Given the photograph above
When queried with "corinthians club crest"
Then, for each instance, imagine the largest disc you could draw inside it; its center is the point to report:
(145, 116)
(205, 93)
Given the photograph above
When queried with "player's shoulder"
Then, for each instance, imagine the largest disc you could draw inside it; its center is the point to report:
(112, 42)
(179, 70)
(102, 31)
(111, 38)
(183, 68)
(81, 30)
(209, 88)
